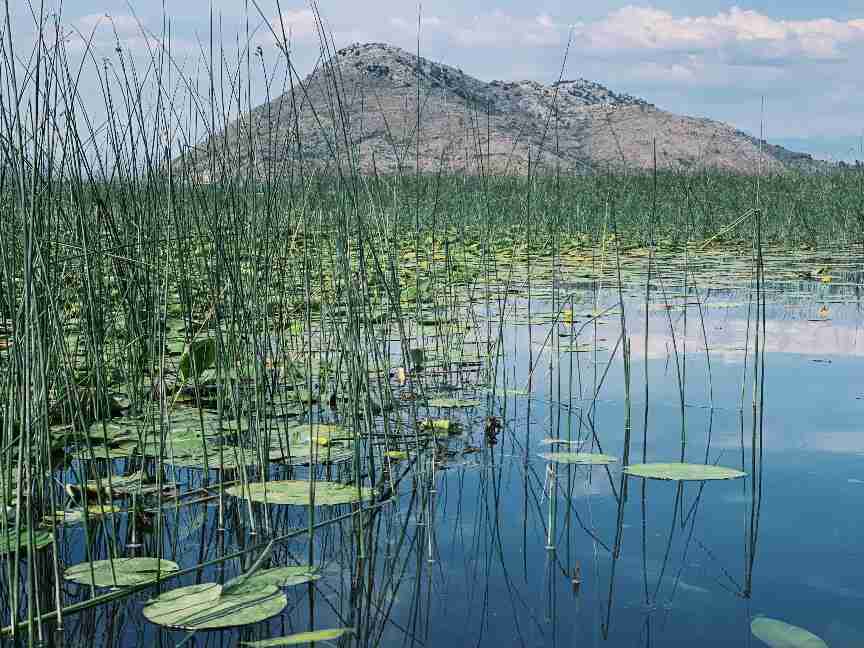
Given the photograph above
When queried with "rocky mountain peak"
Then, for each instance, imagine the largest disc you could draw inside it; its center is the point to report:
(473, 126)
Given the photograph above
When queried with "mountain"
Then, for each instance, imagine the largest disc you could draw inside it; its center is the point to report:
(363, 103)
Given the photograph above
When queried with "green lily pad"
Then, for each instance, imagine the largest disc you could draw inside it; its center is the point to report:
(232, 458)
(200, 355)
(452, 402)
(299, 638)
(204, 607)
(581, 458)
(296, 492)
(442, 425)
(76, 515)
(120, 451)
(276, 576)
(9, 541)
(303, 454)
(126, 571)
(682, 472)
(779, 634)
(320, 433)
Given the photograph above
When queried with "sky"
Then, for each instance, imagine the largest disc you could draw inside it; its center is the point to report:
(791, 68)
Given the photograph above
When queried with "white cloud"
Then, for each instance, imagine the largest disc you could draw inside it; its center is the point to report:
(737, 35)
(299, 24)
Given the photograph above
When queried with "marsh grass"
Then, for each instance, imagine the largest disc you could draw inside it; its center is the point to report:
(219, 322)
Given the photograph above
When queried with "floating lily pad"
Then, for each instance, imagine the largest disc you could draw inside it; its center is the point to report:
(299, 638)
(682, 472)
(296, 492)
(76, 515)
(779, 634)
(276, 576)
(200, 355)
(305, 453)
(442, 425)
(232, 458)
(320, 433)
(125, 572)
(120, 486)
(121, 450)
(204, 607)
(9, 541)
(452, 402)
(581, 458)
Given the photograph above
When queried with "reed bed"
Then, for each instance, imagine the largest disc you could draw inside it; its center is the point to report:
(174, 352)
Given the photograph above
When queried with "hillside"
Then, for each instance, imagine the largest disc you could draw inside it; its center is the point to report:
(362, 105)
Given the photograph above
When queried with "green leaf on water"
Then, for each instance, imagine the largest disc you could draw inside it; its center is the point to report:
(127, 571)
(441, 424)
(118, 451)
(581, 458)
(204, 607)
(306, 453)
(9, 541)
(76, 515)
(299, 638)
(452, 402)
(232, 458)
(779, 634)
(275, 576)
(200, 355)
(682, 472)
(296, 492)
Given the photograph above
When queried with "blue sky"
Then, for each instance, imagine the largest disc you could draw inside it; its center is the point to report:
(700, 57)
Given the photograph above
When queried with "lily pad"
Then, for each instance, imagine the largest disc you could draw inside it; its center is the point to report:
(682, 472)
(581, 458)
(76, 515)
(200, 355)
(303, 454)
(122, 450)
(126, 571)
(296, 492)
(779, 634)
(204, 607)
(320, 433)
(299, 638)
(9, 541)
(452, 402)
(276, 576)
(442, 425)
(232, 458)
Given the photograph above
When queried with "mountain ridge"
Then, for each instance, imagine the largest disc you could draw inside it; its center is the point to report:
(362, 105)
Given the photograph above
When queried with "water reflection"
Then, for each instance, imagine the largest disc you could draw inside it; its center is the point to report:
(479, 541)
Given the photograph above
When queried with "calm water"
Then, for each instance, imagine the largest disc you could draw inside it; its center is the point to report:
(470, 562)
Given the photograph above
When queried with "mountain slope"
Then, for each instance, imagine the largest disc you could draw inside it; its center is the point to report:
(363, 106)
